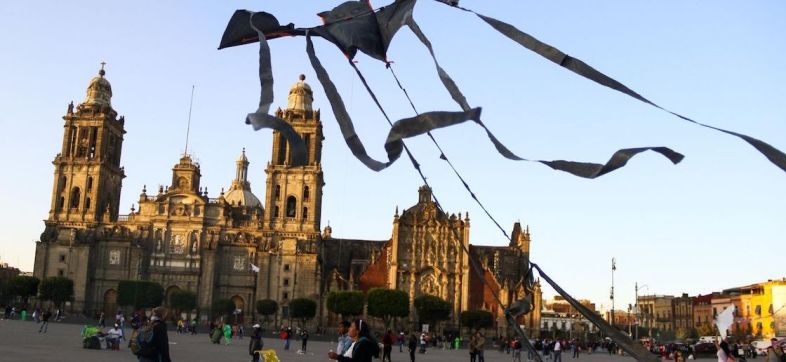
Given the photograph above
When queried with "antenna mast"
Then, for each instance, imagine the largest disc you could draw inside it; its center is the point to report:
(188, 128)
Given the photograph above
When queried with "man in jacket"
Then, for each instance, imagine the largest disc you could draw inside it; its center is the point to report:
(160, 340)
(256, 343)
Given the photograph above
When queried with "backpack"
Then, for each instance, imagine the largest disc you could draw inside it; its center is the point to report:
(144, 343)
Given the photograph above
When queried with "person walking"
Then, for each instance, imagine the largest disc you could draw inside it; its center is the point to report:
(256, 343)
(363, 349)
(387, 346)
(45, 321)
(473, 347)
(481, 345)
(156, 349)
(557, 351)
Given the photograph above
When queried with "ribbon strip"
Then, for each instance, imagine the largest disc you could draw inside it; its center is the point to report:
(581, 169)
(261, 119)
(401, 129)
(777, 157)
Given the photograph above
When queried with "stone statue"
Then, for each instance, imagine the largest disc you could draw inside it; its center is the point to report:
(71, 107)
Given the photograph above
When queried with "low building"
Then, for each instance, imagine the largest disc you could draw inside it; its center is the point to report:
(683, 312)
(702, 311)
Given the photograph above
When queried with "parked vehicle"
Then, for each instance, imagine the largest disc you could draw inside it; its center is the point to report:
(702, 348)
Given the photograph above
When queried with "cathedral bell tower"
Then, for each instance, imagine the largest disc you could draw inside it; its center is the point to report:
(294, 194)
(88, 176)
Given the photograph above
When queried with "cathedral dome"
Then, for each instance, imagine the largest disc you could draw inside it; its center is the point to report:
(300, 96)
(240, 192)
(99, 91)
(242, 197)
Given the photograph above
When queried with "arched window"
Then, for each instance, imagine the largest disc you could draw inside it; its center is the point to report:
(305, 192)
(305, 213)
(89, 183)
(291, 204)
(60, 202)
(75, 196)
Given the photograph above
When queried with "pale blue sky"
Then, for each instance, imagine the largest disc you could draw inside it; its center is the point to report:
(714, 221)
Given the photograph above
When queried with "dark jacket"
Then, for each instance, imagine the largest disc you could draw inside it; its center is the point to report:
(161, 342)
(364, 351)
(256, 342)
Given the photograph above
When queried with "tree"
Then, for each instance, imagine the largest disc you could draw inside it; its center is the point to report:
(183, 300)
(476, 319)
(346, 303)
(387, 304)
(223, 308)
(432, 309)
(706, 330)
(303, 309)
(57, 289)
(23, 286)
(267, 307)
(139, 294)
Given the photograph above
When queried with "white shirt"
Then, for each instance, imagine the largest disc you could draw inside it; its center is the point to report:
(348, 352)
(557, 346)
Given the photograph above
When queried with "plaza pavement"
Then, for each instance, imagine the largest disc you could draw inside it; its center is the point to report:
(20, 341)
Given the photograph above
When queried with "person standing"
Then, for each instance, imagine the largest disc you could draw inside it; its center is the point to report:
(387, 345)
(412, 345)
(473, 347)
(304, 340)
(481, 345)
(774, 351)
(515, 346)
(157, 349)
(344, 341)
(256, 343)
(45, 321)
(576, 349)
(227, 334)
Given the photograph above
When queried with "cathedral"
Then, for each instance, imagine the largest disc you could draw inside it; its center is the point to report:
(239, 247)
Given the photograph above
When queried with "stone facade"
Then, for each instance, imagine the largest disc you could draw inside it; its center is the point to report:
(184, 239)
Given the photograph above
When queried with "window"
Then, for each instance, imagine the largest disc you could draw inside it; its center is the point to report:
(758, 310)
(89, 183)
(278, 191)
(305, 193)
(305, 213)
(286, 267)
(285, 296)
(75, 196)
(62, 258)
(60, 203)
(87, 203)
(286, 282)
(307, 142)
(275, 211)
(60, 272)
(291, 203)
(282, 150)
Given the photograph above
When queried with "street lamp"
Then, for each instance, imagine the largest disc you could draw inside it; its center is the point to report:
(613, 268)
(637, 306)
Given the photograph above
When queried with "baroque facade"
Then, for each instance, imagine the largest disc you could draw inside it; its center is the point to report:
(185, 240)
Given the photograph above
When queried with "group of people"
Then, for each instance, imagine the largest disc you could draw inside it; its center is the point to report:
(220, 330)
(726, 353)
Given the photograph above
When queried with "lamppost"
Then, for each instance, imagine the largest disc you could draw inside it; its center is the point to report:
(637, 307)
(613, 268)
(630, 333)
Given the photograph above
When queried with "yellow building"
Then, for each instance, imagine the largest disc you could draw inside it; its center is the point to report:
(763, 306)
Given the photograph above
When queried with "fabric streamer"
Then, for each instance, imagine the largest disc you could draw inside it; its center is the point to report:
(633, 348)
(404, 128)
(261, 119)
(581, 169)
(777, 157)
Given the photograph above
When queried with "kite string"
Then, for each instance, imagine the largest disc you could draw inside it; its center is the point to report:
(443, 156)
(465, 248)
